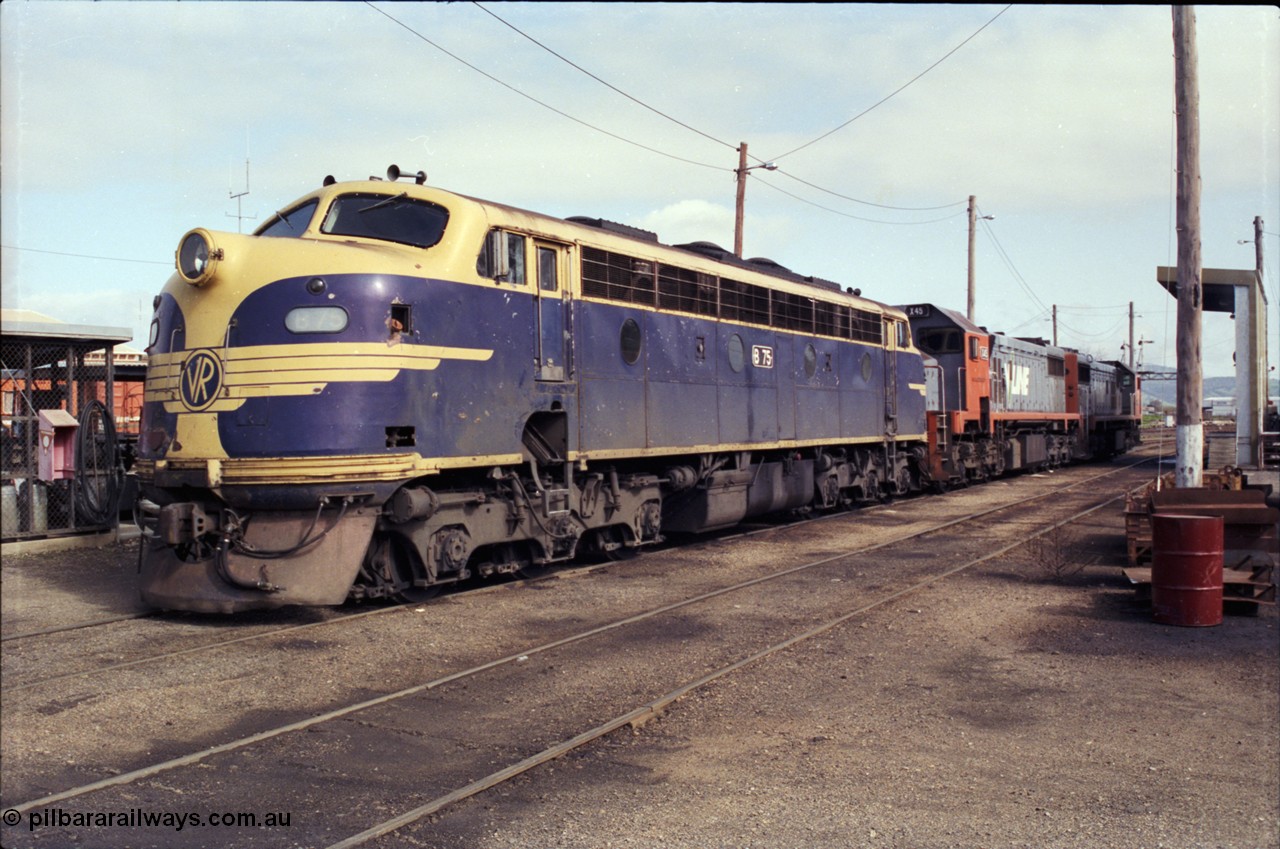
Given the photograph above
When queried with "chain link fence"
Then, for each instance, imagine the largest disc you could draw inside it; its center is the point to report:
(62, 458)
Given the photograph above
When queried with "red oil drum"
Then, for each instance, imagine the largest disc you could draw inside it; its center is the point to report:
(1186, 572)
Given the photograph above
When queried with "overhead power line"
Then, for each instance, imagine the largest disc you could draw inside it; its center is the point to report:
(896, 91)
(706, 135)
(529, 97)
(1093, 336)
(85, 256)
(869, 203)
(1043, 315)
(693, 129)
(1008, 261)
(857, 217)
(608, 85)
(1110, 308)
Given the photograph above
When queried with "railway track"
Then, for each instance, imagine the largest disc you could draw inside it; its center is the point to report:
(76, 626)
(526, 707)
(331, 617)
(642, 714)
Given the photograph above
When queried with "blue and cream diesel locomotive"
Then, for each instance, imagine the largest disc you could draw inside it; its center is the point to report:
(390, 387)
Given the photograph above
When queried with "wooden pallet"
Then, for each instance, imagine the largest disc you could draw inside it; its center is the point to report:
(1244, 586)
(1137, 532)
(1271, 450)
(1251, 529)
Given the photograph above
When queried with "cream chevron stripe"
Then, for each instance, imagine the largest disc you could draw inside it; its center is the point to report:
(283, 370)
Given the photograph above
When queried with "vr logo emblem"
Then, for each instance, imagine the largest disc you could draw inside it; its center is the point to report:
(201, 380)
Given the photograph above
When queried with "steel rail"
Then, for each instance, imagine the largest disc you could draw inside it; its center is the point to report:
(92, 623)
(14, 688)
(524, 654)
(651, 709)
(261, 635)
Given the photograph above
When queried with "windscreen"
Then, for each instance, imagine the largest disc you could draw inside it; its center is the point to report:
(289, 223)
(391, 218)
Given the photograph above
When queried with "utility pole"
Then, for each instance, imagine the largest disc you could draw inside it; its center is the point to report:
(1257, 244)
(741, 171)
(742, 197)
(973, 223)
(1190, 427)
(1055, 325)
(1131, 336)
(1266, 357)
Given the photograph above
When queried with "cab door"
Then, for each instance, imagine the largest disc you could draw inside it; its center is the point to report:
(553, 345)
(893, 339)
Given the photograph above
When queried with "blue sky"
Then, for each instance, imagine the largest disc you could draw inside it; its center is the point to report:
(126, 124)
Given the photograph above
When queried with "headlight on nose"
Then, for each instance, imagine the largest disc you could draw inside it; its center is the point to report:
(197, 257)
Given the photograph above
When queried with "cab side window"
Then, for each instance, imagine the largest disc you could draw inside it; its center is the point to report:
(515, 259)
(502, 258)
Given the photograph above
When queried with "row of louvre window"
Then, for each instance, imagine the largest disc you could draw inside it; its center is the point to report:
(618, 277)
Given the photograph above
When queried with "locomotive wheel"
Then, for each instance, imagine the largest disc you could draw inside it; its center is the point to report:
(612, 546)
(620, 555)
(531, 571)
(904, 481)
(872, 492)
(416, 595)
(526, 569)
(396, 567)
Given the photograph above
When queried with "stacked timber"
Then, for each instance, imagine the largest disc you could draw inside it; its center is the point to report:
(1251, 532)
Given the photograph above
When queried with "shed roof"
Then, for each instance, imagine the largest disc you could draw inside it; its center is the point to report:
(34, 325)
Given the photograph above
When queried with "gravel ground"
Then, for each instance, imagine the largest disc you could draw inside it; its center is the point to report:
(991, 711)
(1015, 705)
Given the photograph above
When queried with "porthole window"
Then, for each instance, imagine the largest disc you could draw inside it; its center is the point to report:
(810, 361)
(630, 341)
(316, 320)
(737, 353)
(866, 366)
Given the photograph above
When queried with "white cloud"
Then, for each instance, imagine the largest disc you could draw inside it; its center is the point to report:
(125, 124)
(692, 221)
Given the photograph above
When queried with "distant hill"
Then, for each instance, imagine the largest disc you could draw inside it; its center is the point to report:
(1214, 387)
